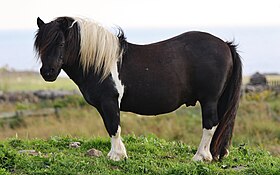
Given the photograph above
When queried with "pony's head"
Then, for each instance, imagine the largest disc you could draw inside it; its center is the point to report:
(66, 41)
(51, 45)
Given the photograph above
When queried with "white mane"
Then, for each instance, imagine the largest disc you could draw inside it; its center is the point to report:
(99, 48)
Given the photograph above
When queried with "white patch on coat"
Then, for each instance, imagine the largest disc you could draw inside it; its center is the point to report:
(203, 152)
(117, 81)
(118, 151)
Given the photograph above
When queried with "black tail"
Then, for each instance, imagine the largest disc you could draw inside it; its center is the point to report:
(227, 108)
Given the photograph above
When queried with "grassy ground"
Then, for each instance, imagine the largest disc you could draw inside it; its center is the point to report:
(26, 81)
(147, 155)
(257, 122)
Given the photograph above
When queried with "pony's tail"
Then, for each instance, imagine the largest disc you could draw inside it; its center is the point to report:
(227, 108)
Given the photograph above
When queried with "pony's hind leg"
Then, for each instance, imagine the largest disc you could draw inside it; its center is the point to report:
(209, 122)
(203, 152)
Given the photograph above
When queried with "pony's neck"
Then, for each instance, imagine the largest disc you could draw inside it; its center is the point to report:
(75, 72)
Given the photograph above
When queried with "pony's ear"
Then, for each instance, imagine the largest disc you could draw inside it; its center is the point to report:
(40, 22)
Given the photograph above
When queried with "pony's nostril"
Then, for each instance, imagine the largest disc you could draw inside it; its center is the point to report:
(47, 71)
(52, 70)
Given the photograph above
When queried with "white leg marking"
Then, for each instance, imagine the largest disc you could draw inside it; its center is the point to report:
(118, 150)
(117, 81)
(203, 151)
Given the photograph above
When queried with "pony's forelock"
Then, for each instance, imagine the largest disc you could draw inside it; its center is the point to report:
(44, 39)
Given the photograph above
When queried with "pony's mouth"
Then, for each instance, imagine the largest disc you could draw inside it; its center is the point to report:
(50, 78)
(49, 75)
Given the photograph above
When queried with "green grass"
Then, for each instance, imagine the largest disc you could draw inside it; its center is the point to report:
(257, 123)
(147, 155)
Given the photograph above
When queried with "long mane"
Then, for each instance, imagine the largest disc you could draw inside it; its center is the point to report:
(99, 48)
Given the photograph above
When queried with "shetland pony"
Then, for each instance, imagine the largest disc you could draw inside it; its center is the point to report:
(114, 75)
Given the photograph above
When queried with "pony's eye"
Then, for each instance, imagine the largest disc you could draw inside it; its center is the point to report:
(61, 45)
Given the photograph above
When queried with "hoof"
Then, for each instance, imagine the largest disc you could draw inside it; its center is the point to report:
(117, 155)
(218, 157)
(202, 157)
(226, 154)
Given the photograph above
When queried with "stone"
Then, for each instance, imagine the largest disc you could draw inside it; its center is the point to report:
(94, 153)
(74, 144)
(258, 79)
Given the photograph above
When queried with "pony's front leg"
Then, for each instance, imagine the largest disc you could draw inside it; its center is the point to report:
(118, 150)
(110, 113)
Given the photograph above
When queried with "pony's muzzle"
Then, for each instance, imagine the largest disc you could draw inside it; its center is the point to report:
(49, 74)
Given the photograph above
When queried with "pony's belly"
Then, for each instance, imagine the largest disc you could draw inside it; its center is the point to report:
(150, 105)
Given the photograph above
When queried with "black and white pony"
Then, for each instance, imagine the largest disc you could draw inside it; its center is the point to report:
(115, 75)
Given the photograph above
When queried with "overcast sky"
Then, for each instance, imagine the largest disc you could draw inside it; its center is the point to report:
(254, 24)
(22, 14)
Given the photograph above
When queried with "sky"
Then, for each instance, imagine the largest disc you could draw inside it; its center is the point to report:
(253, 24)
(22, 14)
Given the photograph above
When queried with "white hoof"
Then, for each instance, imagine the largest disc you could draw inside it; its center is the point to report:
(202, 157)
(118, 153)
(116, 156)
